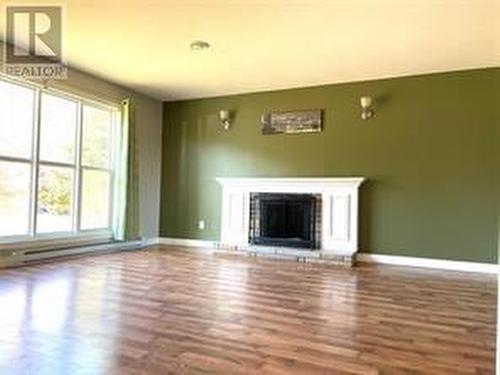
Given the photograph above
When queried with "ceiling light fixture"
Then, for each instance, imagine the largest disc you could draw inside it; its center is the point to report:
(199, 45)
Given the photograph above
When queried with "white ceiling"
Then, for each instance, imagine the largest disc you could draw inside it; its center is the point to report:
(274, 44)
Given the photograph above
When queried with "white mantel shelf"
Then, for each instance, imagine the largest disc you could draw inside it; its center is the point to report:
(315, 183)
(339, 232)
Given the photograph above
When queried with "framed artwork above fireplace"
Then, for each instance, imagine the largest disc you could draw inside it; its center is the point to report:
(292, 122)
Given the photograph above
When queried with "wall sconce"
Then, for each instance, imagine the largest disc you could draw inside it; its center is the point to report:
(366, 108)
(225, 119)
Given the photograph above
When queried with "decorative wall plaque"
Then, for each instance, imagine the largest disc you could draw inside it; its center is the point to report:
(292, 122)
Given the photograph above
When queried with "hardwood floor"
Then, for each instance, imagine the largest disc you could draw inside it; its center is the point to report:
(173, 311)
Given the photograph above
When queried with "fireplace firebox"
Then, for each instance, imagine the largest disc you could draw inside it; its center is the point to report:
(287, 220)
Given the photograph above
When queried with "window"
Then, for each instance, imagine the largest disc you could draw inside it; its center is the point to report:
(96, 168)
(16, 139)
(56, 163)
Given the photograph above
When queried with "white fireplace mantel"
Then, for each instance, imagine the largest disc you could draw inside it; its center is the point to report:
(339, 231)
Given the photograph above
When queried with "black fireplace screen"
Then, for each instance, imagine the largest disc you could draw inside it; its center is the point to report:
(289, 220)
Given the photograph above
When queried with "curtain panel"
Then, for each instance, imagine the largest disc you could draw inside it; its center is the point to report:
(126, 212)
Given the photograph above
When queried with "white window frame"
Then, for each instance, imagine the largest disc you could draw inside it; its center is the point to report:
(111, 169)
(76, 235)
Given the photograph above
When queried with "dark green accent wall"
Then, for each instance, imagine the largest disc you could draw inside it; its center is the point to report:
(430, 155)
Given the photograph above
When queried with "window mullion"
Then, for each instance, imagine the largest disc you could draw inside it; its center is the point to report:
(100, 169)
(77, 206)
(57, 164)
(115, 149)
(35, 165)
(16, 159)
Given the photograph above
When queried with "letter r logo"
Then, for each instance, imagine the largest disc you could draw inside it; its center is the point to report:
(33, 34)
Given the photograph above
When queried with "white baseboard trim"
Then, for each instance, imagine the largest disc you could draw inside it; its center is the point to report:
(187, 242)
(146, 242)
(443, 264)
(451, 265)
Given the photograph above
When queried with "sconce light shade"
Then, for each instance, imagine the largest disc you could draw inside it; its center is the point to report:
(366, 107)
(366, 101)
(225, 119)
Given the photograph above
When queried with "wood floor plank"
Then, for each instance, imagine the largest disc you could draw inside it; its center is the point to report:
(168, 311)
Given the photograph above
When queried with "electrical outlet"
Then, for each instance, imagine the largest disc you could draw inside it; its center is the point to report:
(201, 224)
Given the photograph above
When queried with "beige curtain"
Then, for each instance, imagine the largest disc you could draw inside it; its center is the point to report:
(127, 180)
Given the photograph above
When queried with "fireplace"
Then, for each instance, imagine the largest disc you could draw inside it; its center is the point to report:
(335, 224)
(285, 219)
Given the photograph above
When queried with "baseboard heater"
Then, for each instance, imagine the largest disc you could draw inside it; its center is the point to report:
(9, 258)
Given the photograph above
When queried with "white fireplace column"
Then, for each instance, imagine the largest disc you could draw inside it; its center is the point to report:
(339, 208)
